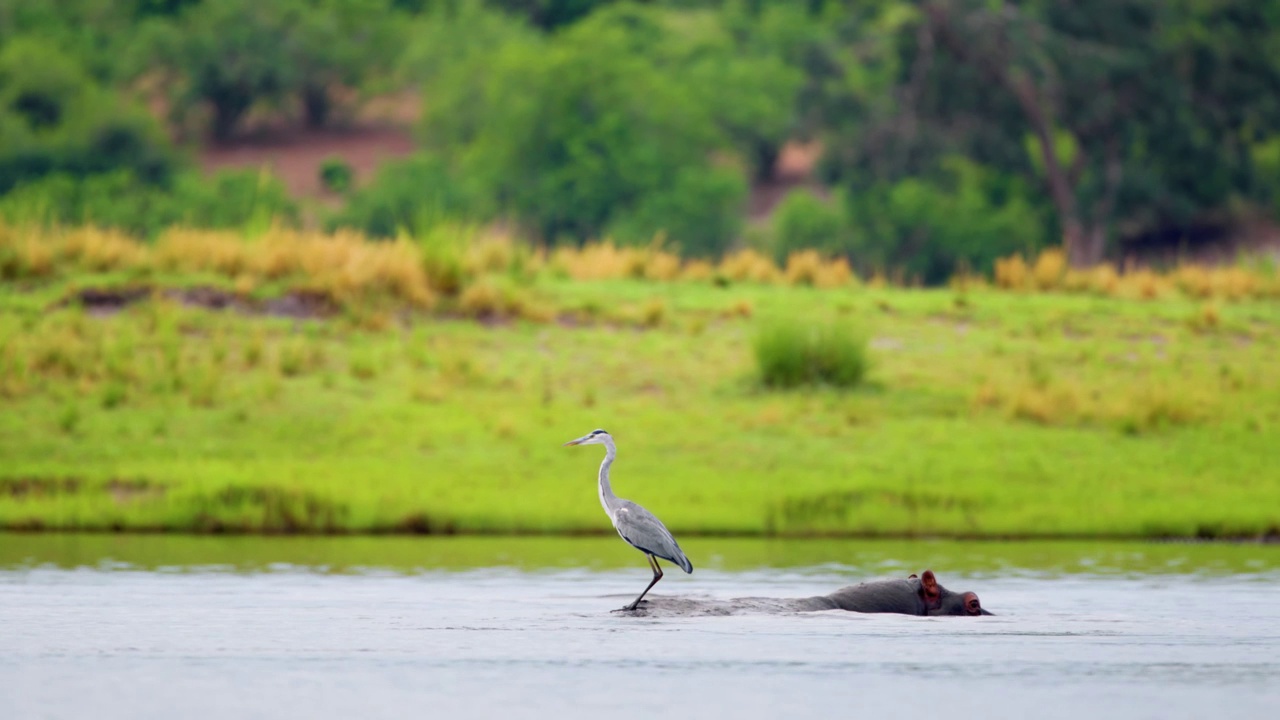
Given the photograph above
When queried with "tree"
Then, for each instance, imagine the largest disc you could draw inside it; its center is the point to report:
(1082, 77)
(228, 54)
(576, 135)
(1128, 113)
(55, 118)
(232, 54)
(91, 32)
(337, 44)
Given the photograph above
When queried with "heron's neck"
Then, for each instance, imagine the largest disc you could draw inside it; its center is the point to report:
(607, 498)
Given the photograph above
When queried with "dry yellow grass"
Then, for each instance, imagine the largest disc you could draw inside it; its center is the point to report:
(345, 265)
(663, 266)
(482, 299)
(487, 298)
(607, 261)
(348, 267)
(835, 273)
(491, 250)
(1012, 273)
(698, 270)
(807, 267)
(102, 250)
(1049, 272)
(24, 256)
(600, 261)
(1099, 280)
(1049, 269)
(803, 267)
(749, 265)
(1144, 285)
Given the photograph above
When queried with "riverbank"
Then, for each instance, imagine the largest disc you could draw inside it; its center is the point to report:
(985, 414)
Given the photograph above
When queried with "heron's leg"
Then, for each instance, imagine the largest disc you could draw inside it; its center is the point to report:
(657, 575)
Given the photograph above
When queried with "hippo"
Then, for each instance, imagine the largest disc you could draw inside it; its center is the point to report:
(914, 595)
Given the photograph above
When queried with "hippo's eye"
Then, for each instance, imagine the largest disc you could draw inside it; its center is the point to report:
(973, 607)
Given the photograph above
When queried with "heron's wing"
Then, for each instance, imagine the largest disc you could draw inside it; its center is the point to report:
(644, 530)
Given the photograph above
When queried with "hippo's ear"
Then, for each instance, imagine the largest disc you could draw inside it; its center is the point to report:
(929, 586)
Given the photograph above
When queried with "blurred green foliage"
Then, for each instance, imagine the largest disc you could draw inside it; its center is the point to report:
(952, 131)
(967, 217)
(336, 174)
(232, 54)
(804, 221)
(54, 117)
(607, 127)
(411, 195)
(232, 199)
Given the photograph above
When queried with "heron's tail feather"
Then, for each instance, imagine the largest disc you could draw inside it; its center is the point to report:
(684, 563)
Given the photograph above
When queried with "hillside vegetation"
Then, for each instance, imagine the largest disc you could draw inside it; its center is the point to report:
(947, 133)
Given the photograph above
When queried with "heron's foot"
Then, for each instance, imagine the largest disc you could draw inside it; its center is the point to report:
(632, 607)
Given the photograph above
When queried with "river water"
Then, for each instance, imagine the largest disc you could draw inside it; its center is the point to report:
(151, 627)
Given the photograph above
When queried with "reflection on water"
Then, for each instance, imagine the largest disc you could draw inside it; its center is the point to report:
(521, 627)
(412, 554)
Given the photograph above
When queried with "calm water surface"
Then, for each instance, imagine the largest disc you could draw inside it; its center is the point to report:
(513, 627)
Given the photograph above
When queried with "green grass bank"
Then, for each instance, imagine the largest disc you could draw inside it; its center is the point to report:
(982, 414)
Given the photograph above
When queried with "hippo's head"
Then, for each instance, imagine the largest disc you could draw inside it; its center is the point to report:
(941, 601)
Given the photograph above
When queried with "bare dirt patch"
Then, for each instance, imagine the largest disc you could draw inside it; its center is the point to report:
(100, 301)
(29, 487)
(295, 155)
(793, 169)
(297, 304)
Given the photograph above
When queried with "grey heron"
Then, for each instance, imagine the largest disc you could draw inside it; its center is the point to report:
(636, 525)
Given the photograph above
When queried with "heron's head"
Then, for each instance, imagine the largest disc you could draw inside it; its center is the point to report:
(595, 437)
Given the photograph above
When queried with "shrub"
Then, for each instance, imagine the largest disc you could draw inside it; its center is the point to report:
(234, 199)
(336, 175)
(587, 133)
(804, 222)
(120, 200)
(790, 354)
(701, 212)
(413, 195)
(54, 118)
(969, 216)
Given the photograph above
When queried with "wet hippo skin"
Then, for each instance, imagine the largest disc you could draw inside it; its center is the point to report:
(914, 595)
(910, 596)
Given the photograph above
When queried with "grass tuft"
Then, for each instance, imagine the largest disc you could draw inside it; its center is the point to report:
(790, 354)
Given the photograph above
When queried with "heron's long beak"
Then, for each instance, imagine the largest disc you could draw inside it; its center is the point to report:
(577, 442)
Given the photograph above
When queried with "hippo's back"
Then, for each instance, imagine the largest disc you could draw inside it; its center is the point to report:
(879, 596)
